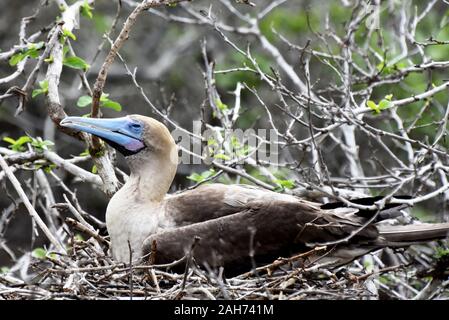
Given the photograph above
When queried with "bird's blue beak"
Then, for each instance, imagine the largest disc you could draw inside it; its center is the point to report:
(124, 134)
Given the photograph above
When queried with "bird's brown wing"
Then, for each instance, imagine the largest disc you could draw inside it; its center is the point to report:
(269, 229)
(216, 200)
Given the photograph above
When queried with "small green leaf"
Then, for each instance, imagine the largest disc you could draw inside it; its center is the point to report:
(37, 46)
(17, 145)
(389, 97)
(68, 33)
(40, 144)
(16, 58)
(79, 237)
(22, 140)
(111, 104)
(43, 90)
(36, 92)
(32, 51)
(201, 177)
(220, 105)
(49, 168)
(287, 184)
(384, 104)
(44, 85)
(4, 270)
(373, 106)
(85, 153)
(49, 59)
(84, 101)
(222, 156)
(9, 140)
(212, 142)
(65, 49)
(86, 10)
(441, 252)
(195, 177)
(76, 63)
(94, 169)
(39, 253)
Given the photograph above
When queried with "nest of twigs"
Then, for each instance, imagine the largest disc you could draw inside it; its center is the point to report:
(88, 272)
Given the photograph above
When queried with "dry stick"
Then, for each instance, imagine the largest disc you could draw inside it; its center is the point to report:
(189, 257)
(28, 205)
(130, 271)
(103, 164)
(282, 261)
(118, 43)
(81, 227)
(110, 183)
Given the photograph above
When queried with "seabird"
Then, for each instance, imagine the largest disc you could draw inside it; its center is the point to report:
(236, 225)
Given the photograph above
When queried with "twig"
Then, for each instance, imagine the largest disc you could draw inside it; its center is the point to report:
(29, 206)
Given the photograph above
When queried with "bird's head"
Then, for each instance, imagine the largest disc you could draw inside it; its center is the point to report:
(132, 135)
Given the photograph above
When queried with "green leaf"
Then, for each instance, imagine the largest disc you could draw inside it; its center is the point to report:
(111, 104)
(287, 184)
(195, 177)
(373, 106)
(17, 145)
(31, 51)
(65, 49)
(23, 139)
(16, 58)
(222, 156)
(79, 237)
(84, 101)
(212, 142)
(4, 270)
(389, 97)
(36, 92)
(201, 177)
(9, 140)
(49, 168)
(441, 252)
(40, 144)
(235, 142)
(85, 153)
(220, 105)
(43, 90)
(385, 104)
(384, 68)
(39, 253)
(94, 169)
(36, 46)
(69, 34)
(44, 85)
(49, 59)
(76, 63)
(86, 10)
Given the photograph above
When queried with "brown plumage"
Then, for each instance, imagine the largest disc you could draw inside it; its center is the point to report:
(236, 225)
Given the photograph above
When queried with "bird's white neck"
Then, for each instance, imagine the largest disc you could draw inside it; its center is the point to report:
(151, 176)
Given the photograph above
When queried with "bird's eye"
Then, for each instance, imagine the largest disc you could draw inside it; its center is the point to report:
(135, 126)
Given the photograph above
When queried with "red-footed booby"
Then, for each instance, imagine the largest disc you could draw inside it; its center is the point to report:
(230, 220)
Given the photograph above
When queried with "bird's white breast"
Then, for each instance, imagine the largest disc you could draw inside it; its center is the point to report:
(130, 222)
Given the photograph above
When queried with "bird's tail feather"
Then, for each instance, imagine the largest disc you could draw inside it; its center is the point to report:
(407, 234)
(389, 236)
